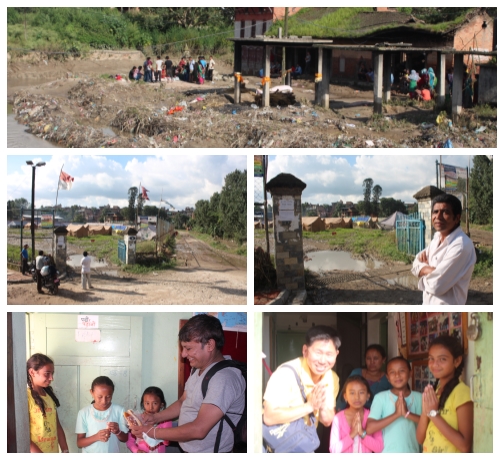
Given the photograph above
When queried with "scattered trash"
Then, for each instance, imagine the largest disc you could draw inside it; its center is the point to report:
(370, 144)
(448, 145)
(234, 112)
(482, 129)
(427, 125)
(254, 106)
(358, 115)
(349, 125)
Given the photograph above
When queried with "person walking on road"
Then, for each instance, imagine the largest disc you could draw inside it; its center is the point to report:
(85, 263)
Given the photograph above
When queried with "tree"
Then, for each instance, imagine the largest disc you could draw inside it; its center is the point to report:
(180, 220)
(481, 190)
(233, 206)
(367, 193)
(149, 210)
(376, 193)
(132, 196)
(389, 206)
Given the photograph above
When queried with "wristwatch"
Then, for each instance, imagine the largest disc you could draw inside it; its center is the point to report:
(432, 413)
(363, 435)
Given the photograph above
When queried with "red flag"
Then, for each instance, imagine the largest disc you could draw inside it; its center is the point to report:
(65, 181)
(145, 193)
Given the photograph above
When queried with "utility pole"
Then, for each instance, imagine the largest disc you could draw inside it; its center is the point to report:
(283, 60)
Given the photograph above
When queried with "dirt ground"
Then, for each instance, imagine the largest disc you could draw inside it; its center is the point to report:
(76, 107)
(203, 276)
(392, 284)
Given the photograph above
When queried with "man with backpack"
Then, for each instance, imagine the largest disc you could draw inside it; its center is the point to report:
(212, 409)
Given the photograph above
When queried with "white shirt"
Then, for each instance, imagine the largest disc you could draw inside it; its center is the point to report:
(159, 63)
(86, 264)
(454, 260)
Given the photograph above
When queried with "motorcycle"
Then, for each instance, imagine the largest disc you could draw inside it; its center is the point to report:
(50, 281)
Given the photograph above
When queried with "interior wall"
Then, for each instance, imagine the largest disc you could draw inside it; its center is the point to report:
(302, 322)
(159, 349)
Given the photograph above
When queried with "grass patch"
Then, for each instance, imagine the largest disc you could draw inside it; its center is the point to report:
(484, 264)
(100, 246)
(486, 228)
(154, 265)
(228, 246)
(377, 243)
(485, 111)
(13, 253)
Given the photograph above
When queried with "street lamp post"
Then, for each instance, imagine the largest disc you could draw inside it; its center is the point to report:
(33, 167)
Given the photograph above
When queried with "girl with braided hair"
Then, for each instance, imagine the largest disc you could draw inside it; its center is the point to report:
(446, 423)
(46, 433)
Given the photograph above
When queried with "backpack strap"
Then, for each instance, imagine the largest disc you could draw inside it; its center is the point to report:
(204, 387)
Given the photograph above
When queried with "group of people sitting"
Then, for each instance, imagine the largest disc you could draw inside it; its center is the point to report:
(420, 86)
(188, 69)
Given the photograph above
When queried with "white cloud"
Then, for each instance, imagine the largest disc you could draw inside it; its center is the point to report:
(333, 178)
(101, 180)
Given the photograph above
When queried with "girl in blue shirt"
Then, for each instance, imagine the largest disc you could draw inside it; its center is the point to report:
(101, 426)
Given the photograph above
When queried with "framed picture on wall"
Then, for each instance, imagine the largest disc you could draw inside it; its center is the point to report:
(422, 376)
(423, 328)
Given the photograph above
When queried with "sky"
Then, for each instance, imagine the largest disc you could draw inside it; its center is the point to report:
(333, 178)
(101, 180)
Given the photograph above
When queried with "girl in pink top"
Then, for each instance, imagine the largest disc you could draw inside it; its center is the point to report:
(348, 433)
(152, 402)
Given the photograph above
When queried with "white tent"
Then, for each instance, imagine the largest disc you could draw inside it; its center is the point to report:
(390, 222)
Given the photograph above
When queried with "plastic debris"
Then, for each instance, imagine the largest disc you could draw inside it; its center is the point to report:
(370, 144)
(448, 145)
(482, 129)
(427, 125)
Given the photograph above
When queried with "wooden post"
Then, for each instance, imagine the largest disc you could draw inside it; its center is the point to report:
(457, 95)
(377, 81)
(237, 71)
(266, 96)
(386, 96)
(237, 88)
(319, 78)
(441, 76)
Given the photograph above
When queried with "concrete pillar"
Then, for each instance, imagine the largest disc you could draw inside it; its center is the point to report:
(266, 96)
(237, 88)
(424, 198)
(327, 71)
(319, 78)
(289, 65)
(386, 96)
(457, 95)
(130, 239)
(60, 245)
(286, 191)
(377, 81)
(441, 86)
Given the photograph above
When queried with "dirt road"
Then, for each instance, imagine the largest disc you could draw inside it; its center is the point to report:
(203, 276)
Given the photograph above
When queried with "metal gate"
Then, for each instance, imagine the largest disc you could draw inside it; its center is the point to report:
(410, 233)
(122, 251)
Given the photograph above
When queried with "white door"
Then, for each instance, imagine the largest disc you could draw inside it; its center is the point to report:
(118, 355)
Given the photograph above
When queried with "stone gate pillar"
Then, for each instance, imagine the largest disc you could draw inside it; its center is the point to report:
(130, 239)
(424, 198)
(286, 191)
(60, 245)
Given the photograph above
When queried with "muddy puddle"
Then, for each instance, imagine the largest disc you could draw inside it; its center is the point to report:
(338, 260)
(74, 261)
